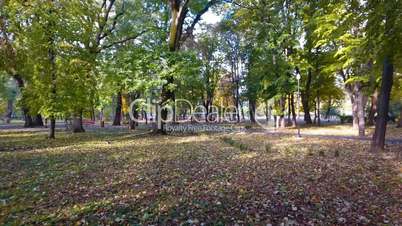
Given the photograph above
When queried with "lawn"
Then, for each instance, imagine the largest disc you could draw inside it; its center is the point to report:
(244, 178)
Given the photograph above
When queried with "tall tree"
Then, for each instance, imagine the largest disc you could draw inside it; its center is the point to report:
(180, 11)
(385, 22)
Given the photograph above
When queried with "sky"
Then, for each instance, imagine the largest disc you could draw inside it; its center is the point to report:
(208, 18)
(211, 17)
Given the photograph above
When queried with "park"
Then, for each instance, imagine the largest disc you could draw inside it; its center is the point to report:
(200, 112)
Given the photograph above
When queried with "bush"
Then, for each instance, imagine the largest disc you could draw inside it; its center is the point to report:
(346, 118)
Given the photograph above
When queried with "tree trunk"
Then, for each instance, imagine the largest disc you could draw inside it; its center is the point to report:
(306, 99)
(360, 103)
(117, 116)
(289, 110)
(242, 111)
(318, 109)
(178, 13)
(362, 123)
(277, 121)
(355, 112)
(352, 91)
(133, 122)
(9, 113)
(327, 114)
(282, 113)
(238, 101)
(29, 123)
(53, 93)
(93, 115)
(146, 117)
(206, 106)
(378, 141)
(77, 123)
(102, 118)
(315, 112)
(399, 125)
(252, 107)
(27, 118)
(267, 112)
(373, 108)
(38, 120)
(294, 118)
(52, 128)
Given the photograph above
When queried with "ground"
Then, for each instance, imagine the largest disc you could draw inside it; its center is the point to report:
(245, 178)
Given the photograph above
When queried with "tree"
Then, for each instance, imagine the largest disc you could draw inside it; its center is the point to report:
(390, 32)
(180, 11)
(13, 57)
(211, 70)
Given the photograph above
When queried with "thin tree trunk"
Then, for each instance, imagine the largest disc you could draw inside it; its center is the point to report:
(146, 117)
(102, 118)
(133, 122)
(378, 141)
(206, 105)
(399, 125)
(52, 59)
(267, 112)
(289, 110)
(238, 102)
(373, 108)
(282, 113)
(242, 111)
(93, 115)
(355, 111)
(117, 116)
(315, 112)
(306, 99)
(318, 109)
(359, 103)
(294, 117)
(9, 113)
(327, 114)
(252, 107)
(277, 120)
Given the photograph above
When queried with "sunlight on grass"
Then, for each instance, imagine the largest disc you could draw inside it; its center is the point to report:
(247, 155)
(189, 139)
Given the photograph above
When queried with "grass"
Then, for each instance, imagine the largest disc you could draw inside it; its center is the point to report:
(346, 130)
(126, 178)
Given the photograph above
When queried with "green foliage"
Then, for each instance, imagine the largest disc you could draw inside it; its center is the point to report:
(102, 49)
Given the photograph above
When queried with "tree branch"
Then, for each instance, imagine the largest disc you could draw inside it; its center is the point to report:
(115, 19)
(130, 38)
(105, 20)
(190, 29)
